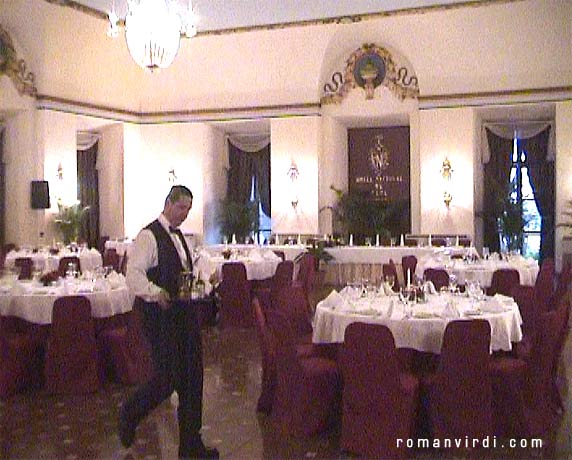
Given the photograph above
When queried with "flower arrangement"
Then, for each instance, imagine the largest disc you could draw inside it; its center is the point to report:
(68, 220)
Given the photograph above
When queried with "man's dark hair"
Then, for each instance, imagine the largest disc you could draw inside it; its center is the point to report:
(177, 192)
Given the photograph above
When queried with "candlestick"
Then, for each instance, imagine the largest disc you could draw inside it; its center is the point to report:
(377, 239)
(402, 241)
(430, 242)
(233, 238)
(408, 277)
(351, 240)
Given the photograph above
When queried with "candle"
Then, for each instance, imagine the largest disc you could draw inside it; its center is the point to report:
(402, 241)
(325, 237)
(430, 243)
(457, 241)
(299, 239)
(377, 239)
(277, 239)
(233, 238)
(351, 240)
(408, 277)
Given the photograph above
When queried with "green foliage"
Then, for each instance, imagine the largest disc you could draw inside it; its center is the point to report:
(238, 219)
(319, 251)
(68, 221)
(361, 216)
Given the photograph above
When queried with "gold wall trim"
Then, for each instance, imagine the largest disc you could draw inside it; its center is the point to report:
(349, 19)
(15, 67)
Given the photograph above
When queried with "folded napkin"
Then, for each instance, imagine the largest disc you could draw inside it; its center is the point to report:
(270, 255)
(386, 289)
(349, 292)
(431, 287)
(450, 310)
(116, 280)
(333, 300)
(503, 298)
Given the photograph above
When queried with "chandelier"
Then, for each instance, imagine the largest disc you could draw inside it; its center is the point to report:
(153, 30)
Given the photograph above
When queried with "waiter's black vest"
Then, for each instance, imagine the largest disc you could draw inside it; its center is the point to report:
(167, 273)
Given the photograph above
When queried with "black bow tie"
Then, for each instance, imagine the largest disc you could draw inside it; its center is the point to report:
(174, 230)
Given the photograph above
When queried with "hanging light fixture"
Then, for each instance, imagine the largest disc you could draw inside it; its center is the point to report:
(153, 30)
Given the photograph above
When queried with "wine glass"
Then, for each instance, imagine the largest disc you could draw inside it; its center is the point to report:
(390, 281)
(453, 282)
(405, 299)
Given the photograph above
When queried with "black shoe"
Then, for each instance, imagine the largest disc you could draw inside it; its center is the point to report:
(126, 429)
(201, 452)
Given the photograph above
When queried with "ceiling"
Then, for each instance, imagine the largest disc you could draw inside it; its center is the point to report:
(229, 14)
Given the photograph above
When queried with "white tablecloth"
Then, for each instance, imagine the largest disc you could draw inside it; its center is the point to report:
(482, 270)
(257, 268)
(33, 302)
(290, 251)
(424, 332)
(120, 246)
(89, 259)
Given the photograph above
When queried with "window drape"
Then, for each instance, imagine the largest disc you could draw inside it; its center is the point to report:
(2, 191)
(88, 194)
(497, 173)
(244, 166)
(541, 174)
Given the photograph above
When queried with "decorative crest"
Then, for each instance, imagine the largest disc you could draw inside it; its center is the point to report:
(15, 68)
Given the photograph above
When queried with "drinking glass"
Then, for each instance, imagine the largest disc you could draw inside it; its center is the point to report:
(486, 252)
(452, 282)
(405, 298)
(390, 281)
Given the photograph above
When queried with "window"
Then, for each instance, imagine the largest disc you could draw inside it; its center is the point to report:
(264, 223)
(523, 195)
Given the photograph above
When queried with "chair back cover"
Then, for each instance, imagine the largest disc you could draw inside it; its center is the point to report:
(112, 259)
(438, 276)
(504, 281)
(268, 352)
(234, 290)
(282, 277)
(460, 396)
(25, 264)
(292, 302)
(63, 264)
(390, 269)
(72, 357)
(408, 263)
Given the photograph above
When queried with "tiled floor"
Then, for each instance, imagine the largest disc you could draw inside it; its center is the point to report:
(39, 426)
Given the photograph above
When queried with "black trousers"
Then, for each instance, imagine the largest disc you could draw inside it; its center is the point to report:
(175, 340)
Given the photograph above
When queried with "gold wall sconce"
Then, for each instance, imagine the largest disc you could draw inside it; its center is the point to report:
(293, 174)
(60, 170)
(446, 173)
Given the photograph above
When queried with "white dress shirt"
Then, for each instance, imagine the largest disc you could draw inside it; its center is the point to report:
(143, 256)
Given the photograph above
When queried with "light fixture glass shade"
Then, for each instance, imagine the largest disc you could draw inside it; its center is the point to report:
(153, 33)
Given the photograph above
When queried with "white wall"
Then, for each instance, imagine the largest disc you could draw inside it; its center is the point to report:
(295, 140)
(447, 133)
(110, 173)
(563, 171)
(151, 151)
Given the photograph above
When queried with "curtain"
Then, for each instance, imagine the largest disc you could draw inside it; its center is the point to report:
(497, 173)
(88, 194)
(249, 157)
(541, 174)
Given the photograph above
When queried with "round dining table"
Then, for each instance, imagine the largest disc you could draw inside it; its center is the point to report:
(33, 302)
(89, 259)
(424, 327)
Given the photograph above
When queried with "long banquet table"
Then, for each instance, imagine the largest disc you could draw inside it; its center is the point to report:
(89, 259)
(291, 251)
(424, 330)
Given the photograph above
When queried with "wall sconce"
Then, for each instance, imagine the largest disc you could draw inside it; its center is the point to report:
(293, 174)
(446, 173)
(60, 175)
(172, 176)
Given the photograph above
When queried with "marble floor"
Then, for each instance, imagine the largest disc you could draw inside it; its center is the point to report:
(36, 425)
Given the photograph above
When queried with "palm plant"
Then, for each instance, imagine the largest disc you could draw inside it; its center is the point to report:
(239, 219)
(68, 220)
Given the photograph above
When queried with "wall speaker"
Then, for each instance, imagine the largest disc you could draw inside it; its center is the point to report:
(40, 194)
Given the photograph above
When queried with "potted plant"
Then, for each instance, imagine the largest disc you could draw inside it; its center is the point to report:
(68, 220)
(239, 219)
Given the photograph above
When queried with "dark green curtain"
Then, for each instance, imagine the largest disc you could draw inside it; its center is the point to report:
(497, 173)
(541, 174)
(88, 194)
(2, 191)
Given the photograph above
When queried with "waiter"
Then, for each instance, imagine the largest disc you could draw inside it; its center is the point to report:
(158, 256)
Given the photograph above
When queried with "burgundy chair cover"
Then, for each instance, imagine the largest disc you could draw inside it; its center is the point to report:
(439, 242)
(544, 286)
(123, 266)
(20, 360)
(268, 352)
(408, 263)
(390, 269)
(71, 357)
(234, 290)
(503, 281)
(112, 259)
(25, 264)
(125, 347)
(523, 402)
(282, 278)
(563, 283)
(280, 254)
(465, 242)
(306, 276)
(525, 299)
(63, 264)
(460, 393)
(308, 389)
(378, 402)
(438, 276)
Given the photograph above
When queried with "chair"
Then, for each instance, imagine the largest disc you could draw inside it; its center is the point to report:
(234, 290)
(20, 360)
(72, 365)
(306, 276)
(123, 266)
(459, 394)
(438, 276)
(280, 254)
(438, 242)
(112, 259)
(282, 278)
(544, 285)
(268, 352)
(63, 264)
(126, 349)
(26, 265)
(465, 242)
(503, 281)
(408, 263)
(308, 389)
(378, 401)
